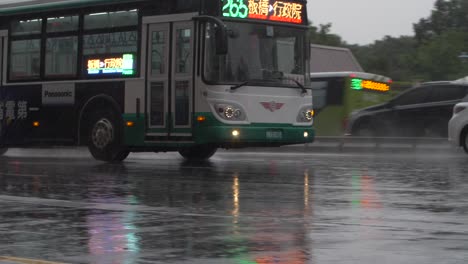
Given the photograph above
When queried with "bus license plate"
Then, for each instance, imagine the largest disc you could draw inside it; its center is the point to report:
(274, 135)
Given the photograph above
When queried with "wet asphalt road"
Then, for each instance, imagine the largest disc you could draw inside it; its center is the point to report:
(240, 208)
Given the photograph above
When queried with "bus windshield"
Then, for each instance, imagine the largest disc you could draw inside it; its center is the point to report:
(257, 53)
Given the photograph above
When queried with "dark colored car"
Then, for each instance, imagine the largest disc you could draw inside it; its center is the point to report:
(422, 111)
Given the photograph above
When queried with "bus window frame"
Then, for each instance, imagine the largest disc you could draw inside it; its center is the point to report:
(80, 33)
(249, 21)
(12, 38)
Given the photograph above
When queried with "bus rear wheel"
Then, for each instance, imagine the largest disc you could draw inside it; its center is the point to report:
(200, 152)
(104, 138)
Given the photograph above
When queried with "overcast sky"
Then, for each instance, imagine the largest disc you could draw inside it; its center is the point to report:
(364, 21)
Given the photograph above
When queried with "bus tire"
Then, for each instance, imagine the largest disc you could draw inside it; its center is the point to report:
(104, 137)
(200, 152)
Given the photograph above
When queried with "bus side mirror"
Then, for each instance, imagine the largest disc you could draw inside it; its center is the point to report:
(221, 33)
(221, 41)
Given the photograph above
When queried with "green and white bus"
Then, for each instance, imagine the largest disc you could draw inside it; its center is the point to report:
(123, 76)
(338, 94)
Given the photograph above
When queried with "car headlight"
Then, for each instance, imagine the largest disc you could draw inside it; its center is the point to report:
(231, 112)
(306, 114)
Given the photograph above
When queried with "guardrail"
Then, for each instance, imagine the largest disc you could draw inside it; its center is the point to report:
(381, 142)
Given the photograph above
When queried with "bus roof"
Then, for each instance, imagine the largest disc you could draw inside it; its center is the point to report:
(343, 74)
(15, 7)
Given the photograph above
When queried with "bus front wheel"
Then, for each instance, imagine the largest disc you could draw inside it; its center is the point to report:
(104, 138)
(201, 152)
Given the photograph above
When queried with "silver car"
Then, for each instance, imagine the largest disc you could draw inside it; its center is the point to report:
(458, 126)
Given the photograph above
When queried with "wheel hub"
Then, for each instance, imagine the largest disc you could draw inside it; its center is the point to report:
(102, 134)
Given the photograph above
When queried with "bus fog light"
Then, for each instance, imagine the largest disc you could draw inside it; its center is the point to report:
(306, 134)
(235, 133)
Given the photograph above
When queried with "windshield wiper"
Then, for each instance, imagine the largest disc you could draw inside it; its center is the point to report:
(300, 85)
(251, 81)
(237, 86)
(279, 75)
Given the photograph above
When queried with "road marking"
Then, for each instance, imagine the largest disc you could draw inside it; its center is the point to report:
(115, 207)
(22, 175)
(13, 260)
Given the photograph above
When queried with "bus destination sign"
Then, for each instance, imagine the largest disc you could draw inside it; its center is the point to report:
(271, 10)
(124, 65)
(359, 84)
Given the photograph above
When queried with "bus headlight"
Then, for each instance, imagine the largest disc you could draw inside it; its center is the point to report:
(231, 112)
(306, 114)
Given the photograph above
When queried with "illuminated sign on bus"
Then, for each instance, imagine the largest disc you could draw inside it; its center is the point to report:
(272, 10)
(124, 65)
(359, 84)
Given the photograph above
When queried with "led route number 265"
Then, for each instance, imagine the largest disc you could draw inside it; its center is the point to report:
(235, 8)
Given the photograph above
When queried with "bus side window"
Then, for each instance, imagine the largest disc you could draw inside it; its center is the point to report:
(335, 92)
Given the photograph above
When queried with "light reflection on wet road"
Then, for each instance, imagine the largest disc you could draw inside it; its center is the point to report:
(240, 208)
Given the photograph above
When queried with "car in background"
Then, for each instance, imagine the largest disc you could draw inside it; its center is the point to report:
(458, 126)
(337, 94)
(422, 111)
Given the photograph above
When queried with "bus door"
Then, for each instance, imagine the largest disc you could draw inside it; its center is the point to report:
(170, 80)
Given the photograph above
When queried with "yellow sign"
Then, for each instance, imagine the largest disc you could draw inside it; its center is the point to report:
(274, 10)
(359, 84)
(114, 65)
(371, 85)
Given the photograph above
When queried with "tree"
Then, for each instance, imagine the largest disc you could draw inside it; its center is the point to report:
(438, 59)
(446, 15)
(393, 57)
(431, 54)
(321, 35)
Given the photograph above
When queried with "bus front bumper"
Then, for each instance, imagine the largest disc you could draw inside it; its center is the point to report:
(253, 135)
